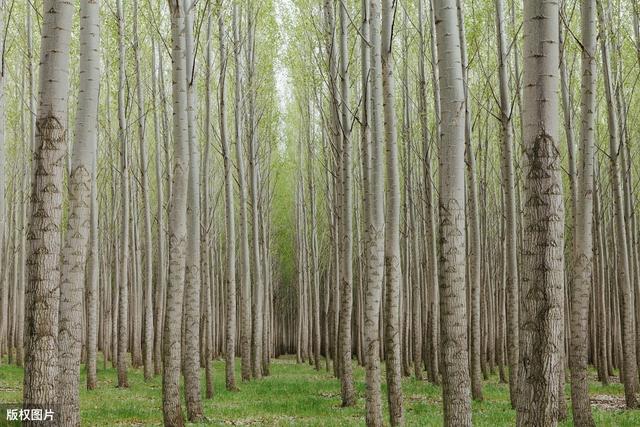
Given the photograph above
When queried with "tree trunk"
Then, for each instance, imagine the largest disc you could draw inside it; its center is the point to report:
(177, 223)
(542, 276)
(123, 281)
(629, 374)
(453, 313)
(393, 273)
(74, 252)
(191, 315)
(583, 237)
(42, 299)
(245, 263)
(230, 267)
(508, 185)
(346, 270)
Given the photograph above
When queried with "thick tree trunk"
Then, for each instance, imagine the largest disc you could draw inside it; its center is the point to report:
(542, 276)
(42, 298)
(453, 313)
(74, 252)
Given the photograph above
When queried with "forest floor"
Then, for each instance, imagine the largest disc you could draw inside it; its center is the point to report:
(297, 395)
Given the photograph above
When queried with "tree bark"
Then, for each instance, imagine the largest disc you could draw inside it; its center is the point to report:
(230, 266)
(74, 252)
(42, 298)
(393, 273)
(191, 315)
(542, 276)
(177, 222)
(583, 225)
(629, 374)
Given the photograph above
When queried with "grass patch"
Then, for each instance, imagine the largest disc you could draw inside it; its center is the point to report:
(294, 395)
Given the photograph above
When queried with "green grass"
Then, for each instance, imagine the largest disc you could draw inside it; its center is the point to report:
(293, 395)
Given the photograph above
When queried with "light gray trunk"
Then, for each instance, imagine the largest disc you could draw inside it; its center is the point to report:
(625, 294)
(453, 313)
(45, 219)
(230, 266)
(74, 251)
(177, 223)
(123, 280)
(583, 237)
(542, 274)
(191, 356)
(245, 263)
(393, 270)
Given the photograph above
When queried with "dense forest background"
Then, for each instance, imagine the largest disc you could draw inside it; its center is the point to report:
(429, 200)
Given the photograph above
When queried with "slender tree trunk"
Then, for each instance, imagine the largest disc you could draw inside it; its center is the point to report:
(177, 222)
(346, 296)
(3, 269)
(245, 263)
(230, 267)
(74, 252)
(473, 231)
(258, 285)
(508, 185)
(191, 315)
(93, 283)
(144, 178)
(625, 294)
(123, 281)
(583, 226)
(160, 217)
(393, 273)
(431, 254)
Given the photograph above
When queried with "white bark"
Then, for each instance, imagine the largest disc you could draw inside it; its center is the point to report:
(191, 358)
(453, 313)
(42, 298)
(74, 252)
(177, 223)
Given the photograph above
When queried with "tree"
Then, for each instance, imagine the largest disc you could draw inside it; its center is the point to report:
(245, 265)
(542, 273)
(45, 219)
(392, 266)
(191, 351)
(177, 221)
(508, 185)
(230, 266)
(346, 218)
(625, 296)
(583, 239)
(146, 204)
(453, 314)
(123, 279)
(74, 251)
